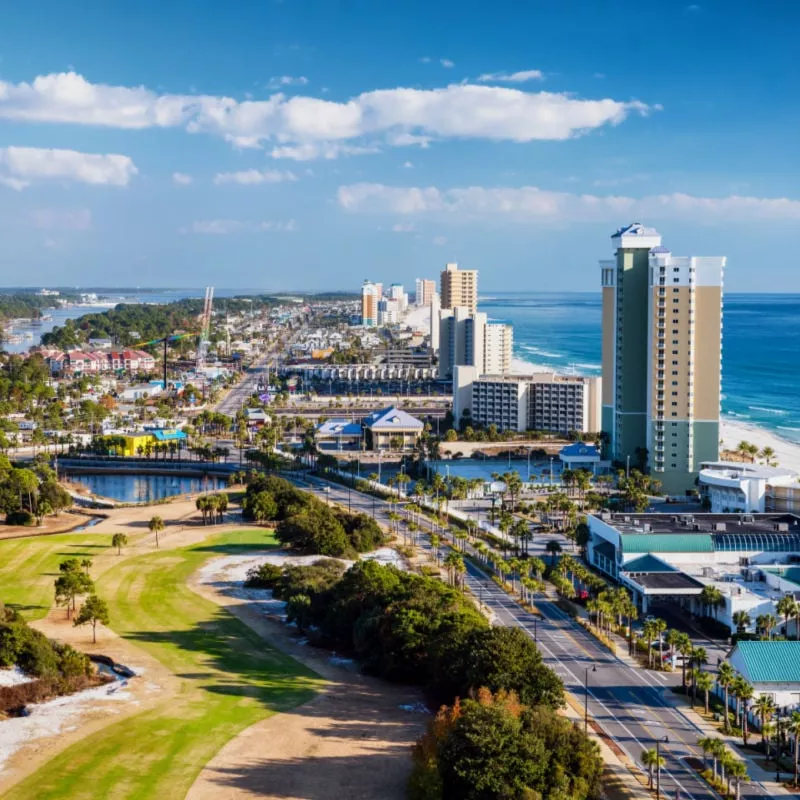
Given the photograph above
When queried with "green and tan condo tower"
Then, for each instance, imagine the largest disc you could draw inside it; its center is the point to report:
(662, 346)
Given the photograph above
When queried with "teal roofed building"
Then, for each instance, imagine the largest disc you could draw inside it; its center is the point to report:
(771, 668)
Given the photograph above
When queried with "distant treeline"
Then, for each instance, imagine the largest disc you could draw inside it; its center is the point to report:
(28, 306)
(130, 323)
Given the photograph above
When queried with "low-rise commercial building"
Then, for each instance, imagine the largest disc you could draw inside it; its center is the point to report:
(392, 429)
(670, 558)
(751, 488)
(771, 668)
(541, 402)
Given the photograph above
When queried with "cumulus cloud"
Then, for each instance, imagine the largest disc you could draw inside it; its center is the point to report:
(221, 227)
(393, 117)
(181, 178)
(20, 166)
(447, 63)
(79, 219)
(512, 77)
(254, 176)
(529, 203)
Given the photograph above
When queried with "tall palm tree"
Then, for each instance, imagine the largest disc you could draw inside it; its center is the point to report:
(737, 771)
(717, 751)
(156, 525)
(786, 607)
(725, 678)
(705, 682)
(764, 708)
(745, 694)
(697, 659)
(794, 730)
(653, 761)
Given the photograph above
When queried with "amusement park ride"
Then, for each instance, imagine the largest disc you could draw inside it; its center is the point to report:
(202, 345)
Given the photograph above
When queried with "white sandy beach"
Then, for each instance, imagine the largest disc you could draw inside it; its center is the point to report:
(787, 454)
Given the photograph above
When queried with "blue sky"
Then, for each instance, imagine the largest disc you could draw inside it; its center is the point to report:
(310, 145)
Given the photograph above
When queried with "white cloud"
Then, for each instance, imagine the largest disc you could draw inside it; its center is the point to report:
(221, 227)
(529, 203)
(20, 166)
(254, 176)
(395, 116)
(181, 178)
(408, 165)
(324, 150)
(512, 77)
(440, 240)
(287, 80)
(13, 183)
(56, 219)
(403, 227)
(446, 63)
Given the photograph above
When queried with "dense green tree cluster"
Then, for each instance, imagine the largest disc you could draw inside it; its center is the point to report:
(416, 629)
(29, 495)
(34, 653)
(493, 746)
(306, 523)
(24, 305)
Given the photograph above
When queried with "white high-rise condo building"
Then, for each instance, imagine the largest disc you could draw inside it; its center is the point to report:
(662, 341)
(466, 338)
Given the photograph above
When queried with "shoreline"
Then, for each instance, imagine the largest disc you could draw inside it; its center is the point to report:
(787, 452)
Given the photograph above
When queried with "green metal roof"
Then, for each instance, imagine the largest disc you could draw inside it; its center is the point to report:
(771, 662)
(647, 563)
(667, 543)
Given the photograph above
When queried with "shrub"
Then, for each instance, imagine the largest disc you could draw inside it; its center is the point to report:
(20, 517)
(263, 577)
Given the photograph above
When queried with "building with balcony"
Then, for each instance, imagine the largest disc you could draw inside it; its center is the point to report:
(543, 401)
(662, 339)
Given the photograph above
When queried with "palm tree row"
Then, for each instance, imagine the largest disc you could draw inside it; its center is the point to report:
(726, 767)
(212, 507)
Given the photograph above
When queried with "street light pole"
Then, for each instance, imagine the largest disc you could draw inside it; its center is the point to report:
(658, 765)
(586, 697)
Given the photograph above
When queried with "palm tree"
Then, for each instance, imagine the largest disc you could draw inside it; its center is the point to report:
(768, 454)
(725, 679)
(764, 708)
(119, 540)
(786, 607)
(738, 772)
(711, 598)
(705, 682)
(697, 659)
(741, 619)
(553, 548)
(705, 743)
(794, 730)
(717, 751)
(744, 692)
(156, 524)
(653, 761)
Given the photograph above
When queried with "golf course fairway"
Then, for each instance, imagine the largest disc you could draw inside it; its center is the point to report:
(229, 677)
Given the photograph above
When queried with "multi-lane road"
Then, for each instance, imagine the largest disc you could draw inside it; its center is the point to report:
(633, 706)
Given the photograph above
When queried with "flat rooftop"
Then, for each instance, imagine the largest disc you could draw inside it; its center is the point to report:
(701, 523)
(667, 580)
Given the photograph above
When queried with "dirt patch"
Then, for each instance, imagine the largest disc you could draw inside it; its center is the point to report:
(64, 522)
(352, 741)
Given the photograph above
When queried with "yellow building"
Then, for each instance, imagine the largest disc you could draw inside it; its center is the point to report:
(133, 442)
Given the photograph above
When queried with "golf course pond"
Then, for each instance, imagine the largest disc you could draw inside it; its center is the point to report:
(138, 488)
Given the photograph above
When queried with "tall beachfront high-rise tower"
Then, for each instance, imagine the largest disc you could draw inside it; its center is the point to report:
(662, 344)
(459, 287)
(370, 295)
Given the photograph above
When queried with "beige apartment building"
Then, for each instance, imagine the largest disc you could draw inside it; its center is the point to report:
(459, 287)
(662, 341)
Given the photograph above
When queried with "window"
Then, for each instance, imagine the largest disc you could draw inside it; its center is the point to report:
(674, 394)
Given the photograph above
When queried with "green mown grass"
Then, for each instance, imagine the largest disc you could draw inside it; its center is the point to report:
(230, 679)
(28, 567)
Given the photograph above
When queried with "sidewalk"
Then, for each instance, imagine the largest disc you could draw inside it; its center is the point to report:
(682, 704)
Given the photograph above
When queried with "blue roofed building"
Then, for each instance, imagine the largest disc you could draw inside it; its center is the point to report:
(771, 668)
(579, 455)
(392, 429)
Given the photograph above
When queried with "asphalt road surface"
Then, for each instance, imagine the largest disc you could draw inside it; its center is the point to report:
(633, 706)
